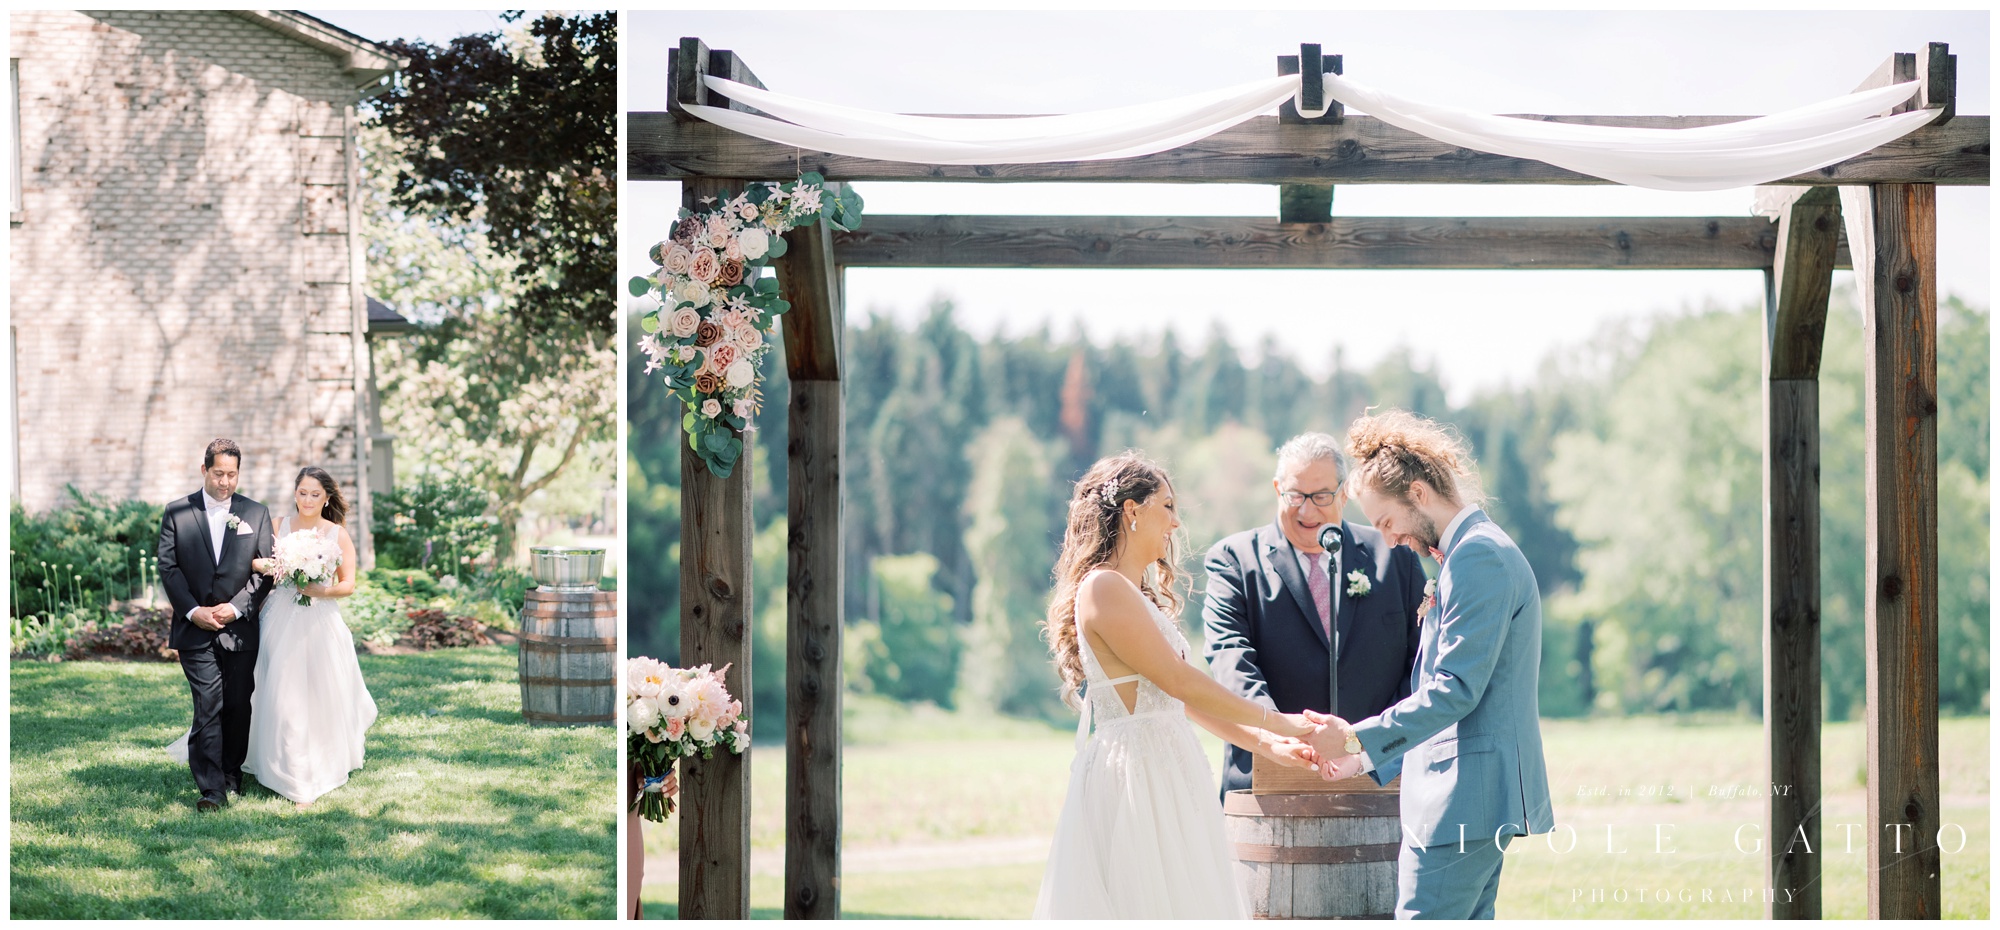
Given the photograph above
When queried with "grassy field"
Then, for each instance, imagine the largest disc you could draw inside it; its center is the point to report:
(983, 794)
(461, 811)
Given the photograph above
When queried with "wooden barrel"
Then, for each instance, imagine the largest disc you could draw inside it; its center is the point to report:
(1329, 855)
(569, 657)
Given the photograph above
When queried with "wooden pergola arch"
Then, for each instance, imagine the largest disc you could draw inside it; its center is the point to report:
(1889, 201)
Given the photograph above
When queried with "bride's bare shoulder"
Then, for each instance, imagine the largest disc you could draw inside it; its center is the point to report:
(1106, 591)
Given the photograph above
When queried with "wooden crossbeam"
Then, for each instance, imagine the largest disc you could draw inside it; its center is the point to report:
(1347, 242)
(1360, 150)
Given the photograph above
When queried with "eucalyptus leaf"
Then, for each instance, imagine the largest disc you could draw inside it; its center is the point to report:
(639, 285)
(650, 322)
(778, 305)
(778, 247)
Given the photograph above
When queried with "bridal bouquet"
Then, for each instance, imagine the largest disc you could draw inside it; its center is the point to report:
(306, 558)
(717, 309)
(670, 714)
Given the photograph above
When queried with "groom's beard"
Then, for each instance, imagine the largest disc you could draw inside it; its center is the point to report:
(1426, 529)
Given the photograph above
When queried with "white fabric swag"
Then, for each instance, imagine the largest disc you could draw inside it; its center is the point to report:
(1720, 157)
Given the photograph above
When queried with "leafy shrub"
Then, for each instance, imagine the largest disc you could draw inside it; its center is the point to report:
(435, 629)
(409, 583)
(89, 553)
(142, 635)
(46, 635)
(375, 615)
(440, 527)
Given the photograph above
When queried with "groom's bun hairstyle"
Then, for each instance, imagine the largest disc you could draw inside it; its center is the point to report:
(218, 447)
(335, 508)
(1096, 527)
(1393, 449)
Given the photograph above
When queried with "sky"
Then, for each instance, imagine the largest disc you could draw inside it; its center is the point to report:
(1481, 329)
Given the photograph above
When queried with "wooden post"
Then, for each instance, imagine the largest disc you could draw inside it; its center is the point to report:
(685, 66)
(1892, 231)
(1899, 302)
(715, 630)
(810, 281)
(1808, 239)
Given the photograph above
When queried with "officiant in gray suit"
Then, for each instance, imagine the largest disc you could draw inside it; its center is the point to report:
(1273, 608)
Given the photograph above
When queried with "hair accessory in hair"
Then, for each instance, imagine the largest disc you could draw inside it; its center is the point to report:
(1109, 491)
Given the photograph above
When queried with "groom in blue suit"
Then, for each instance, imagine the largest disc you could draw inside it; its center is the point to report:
(1467, 740)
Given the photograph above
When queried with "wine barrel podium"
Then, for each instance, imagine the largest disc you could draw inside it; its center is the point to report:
(569, 642)
(1308, 848)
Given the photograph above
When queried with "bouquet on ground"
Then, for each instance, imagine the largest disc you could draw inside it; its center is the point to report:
(305, 558)
(670, 714)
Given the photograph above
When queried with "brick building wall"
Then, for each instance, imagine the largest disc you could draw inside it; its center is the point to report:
(185, 256)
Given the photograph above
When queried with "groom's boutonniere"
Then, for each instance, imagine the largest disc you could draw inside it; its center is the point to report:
(1358, 584)
(1430, 596)
(235, 522)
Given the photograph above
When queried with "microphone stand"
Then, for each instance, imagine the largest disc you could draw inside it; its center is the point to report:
(1329, 540)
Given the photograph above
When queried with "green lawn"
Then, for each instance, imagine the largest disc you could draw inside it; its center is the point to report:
(462, 809)
(917, 778)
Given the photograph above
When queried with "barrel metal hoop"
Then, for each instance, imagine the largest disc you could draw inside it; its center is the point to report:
(1243, 803)
(1317, 855)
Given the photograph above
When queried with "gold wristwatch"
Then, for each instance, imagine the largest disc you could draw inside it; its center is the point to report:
(1353, 744)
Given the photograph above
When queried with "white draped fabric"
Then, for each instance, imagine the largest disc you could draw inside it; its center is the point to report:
(1729, 155)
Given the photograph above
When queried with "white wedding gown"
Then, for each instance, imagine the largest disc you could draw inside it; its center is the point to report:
(1140, 834)
(310, 711)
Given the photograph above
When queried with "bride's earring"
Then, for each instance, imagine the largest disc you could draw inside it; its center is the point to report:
(1135, 526)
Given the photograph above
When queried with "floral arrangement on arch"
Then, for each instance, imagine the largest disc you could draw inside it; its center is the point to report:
(717, 307)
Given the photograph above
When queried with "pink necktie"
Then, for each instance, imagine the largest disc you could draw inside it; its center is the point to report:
(1322, 596)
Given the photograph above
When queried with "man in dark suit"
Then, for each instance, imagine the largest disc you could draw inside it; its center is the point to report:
(1269, 602)
(207, 541)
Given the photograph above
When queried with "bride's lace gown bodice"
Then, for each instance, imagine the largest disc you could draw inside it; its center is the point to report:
(1140, 834)
(1107, 705)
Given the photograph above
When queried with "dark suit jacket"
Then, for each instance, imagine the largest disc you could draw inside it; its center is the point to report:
(1264, 639)
(193, 578)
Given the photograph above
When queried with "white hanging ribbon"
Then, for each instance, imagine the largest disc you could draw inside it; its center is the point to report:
(1719, 157)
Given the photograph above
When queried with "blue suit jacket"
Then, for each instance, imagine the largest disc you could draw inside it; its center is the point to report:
(1468, 739)
(1264, 640)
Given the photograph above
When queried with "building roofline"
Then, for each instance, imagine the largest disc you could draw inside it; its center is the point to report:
(367, 62)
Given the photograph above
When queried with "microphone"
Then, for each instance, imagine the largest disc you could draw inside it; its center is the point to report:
(1329, 537)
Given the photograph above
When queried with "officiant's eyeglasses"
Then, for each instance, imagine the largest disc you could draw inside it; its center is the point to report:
(1319, 498)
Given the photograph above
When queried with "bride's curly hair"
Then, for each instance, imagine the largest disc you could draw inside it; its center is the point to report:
(1091, 541)
(1392, 449)
(335, 509)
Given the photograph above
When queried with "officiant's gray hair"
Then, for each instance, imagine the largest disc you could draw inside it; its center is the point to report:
(1306, 448)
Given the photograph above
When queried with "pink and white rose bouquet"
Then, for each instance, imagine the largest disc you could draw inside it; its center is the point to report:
(305, 558)
(671, 714)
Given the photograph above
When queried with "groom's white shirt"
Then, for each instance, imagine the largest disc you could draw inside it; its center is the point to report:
(217, 514)
(1367, 764)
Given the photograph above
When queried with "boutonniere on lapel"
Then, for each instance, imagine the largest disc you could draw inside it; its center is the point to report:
(236, 523)
(1358, 584)
(1430, 596)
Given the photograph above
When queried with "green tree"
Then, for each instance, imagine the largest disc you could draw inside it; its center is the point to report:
(517, 132)
(1015, 524)
(910, 649)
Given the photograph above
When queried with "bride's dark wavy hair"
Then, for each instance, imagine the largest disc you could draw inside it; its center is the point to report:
(1091, 541)
(335, 510)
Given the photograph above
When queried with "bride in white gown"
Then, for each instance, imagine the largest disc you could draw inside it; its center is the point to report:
(1140, 834)
(310, 710)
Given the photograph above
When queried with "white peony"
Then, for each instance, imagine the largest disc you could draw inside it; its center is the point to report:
(754, 243)
(740, 373)
(701, 729)
(641, 714)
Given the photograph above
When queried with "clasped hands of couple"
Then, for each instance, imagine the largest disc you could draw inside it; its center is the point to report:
(215, 618)
(1327, 745)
